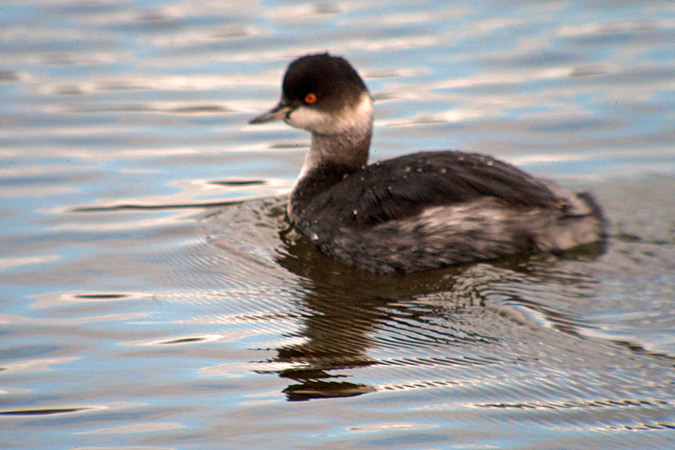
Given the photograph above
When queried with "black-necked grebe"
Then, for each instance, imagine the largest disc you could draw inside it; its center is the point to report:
(414, 212)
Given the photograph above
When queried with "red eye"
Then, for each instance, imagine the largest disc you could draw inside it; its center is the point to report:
(310, 98)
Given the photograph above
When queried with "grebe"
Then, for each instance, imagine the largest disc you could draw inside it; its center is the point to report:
(415, 212)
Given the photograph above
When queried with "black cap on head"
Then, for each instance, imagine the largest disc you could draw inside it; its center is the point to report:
(331, 79)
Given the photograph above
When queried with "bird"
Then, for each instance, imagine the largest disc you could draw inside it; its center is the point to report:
(416, 212)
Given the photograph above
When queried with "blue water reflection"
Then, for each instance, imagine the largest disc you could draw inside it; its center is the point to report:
(153, 295)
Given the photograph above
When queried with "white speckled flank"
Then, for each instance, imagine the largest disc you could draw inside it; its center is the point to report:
(479, 230)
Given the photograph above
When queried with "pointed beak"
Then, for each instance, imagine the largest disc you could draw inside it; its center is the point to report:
(279, 112)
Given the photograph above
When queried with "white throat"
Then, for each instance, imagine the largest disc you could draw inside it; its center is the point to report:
(341, 139)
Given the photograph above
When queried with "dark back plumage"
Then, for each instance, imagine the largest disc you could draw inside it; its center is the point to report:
(402, 187)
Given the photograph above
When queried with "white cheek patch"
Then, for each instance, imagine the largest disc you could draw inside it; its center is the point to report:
(310, 119)
(321, 122)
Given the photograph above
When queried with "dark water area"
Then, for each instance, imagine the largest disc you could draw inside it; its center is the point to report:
(154, 296)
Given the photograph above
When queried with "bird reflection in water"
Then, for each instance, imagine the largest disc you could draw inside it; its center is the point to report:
(344, 309)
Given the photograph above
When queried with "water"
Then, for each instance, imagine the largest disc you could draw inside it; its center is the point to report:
(153, 295)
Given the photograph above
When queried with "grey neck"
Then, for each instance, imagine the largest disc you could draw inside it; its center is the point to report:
(339, 139)
(349, 150)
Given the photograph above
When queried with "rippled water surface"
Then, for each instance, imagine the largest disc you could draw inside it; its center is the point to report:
(154, 296)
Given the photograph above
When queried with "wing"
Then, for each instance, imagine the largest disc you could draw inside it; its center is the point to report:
(404, 186)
